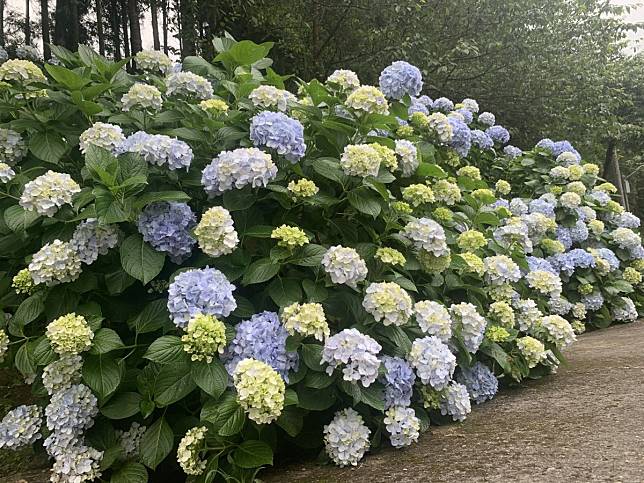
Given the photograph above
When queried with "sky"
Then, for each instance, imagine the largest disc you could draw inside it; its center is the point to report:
(636, 15)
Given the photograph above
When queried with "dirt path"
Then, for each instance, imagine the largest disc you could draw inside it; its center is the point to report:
(584, 424)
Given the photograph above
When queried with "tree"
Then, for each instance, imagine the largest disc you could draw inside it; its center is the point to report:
(44, 22)
(135, 27)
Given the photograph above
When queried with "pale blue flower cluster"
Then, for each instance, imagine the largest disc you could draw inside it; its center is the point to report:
(263, 338)
(487, 118)
(537, 263)
(357, 352)
(12, 147)
(346, 438)
(518, 207)
(499, 134)
(626, 311)
(399, 79)
(72, 411)
(20, 427)
(403, 426)
(560, 147)
(461, 136)
(468, 117)
(544, 206)
(609, 255)
(201, 291)
(626, 220)
(470, 324)
(443, 104)
(578, 232)
(90, 239)
(426, 234)
(398, 379)
(167, 227)
(569, 261)
(600, 197)
(433, 361)
(236, 169)
(563, 235)
(158, 149)
(455, 401)
(481, 140)
(559, 305)
(500, 269)
(275, 130)
(480, 381)
(593, 301)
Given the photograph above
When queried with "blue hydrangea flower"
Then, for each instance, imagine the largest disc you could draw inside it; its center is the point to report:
(499, 134)
(166, 226)
(593, 301)
(542, 206)
(20, 427)
(569, 261)
(600, 197)
(262, 338)
(417, 106)
(158, 149)
(480, 381)
(468, 117)
(627, 220)
(461, 136)
(400, 78)
(433, 361)
(564, 147)
(72, 411)
(277, 131)
(481, 140)
(455, 401)
(609, 255)
(546, 144)
(425, 101)
(518, 207)
(399, 381)
(559, 306)
(563, 235)
(501, 203)
(579, 232)
(536, 263)
(201, 291)
(356, 352)
(512, 151)
(443, 104)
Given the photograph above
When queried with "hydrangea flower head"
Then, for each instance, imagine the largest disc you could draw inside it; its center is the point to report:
(188, 84)
(345, 79)
(360, 160)
(142, 96)
(166, 226)
(418, 194)
(481, 140)
(262, 338)
(487, 118)
(236, 169)
(390, 256)
(388, 302)
(214, 106)
(402, 425)
(433, 361)
(357, 352)
(62, 373)
(20, 427)
(48, 192)
(469, 323)
(275, 130)
(70, 334)
(188, 452)
(55, 263)
(102, 135)
(480, 381)
(502, 313)
(153, 61)
(302, 188)
(400, 79)
(447, 192)
(260, 390)
(443, 104)
(398, 379)
(72, 411)
(267, 97)
(6, 173)
(408, 156)
(368, 99)
(532, 349)
(500, 269)
(22, 71)
(426, 234)
(557, 330)
(346, 438)
(455, 401)
(306, 319)
(204, 338)
(90, 239)
(200, 291)
(625, 310)
(544, 282)
(439, 123)
(12, 147)
(344, 265)
(159, 150)
(461, 136)
(433, 319)
(498, 134)
(216, 233)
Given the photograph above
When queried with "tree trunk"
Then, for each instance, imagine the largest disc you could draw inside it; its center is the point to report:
(188, 37)
(66, 28)
(44, 21)
(164, 15)
(2, 3)
(99, 27)
(155, 25)
(27, 24)
(115, 25)
(135, 27)
(126, 33)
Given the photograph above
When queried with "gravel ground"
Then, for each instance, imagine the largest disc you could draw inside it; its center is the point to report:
(585, 423)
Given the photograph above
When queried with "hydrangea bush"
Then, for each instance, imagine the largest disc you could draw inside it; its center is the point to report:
(202, 270)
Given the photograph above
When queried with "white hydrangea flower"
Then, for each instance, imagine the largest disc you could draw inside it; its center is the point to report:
(102, 135)
(368, 99)
(55, 263)
(62, 373)
(22, 71)
(270, 96)
(408, 154)
(78, 463)
(238, 168)
(439, 123)
(626, 311)
(189, 84)
(216, 233)
(71, 411)
(532, 349)
(20, 427)
(500, 269)
(6, 173)
(90, 239)
(153, 60)
(130, 440)
(188, 452)
(402, 425)
(48, 192)
(427, 235)
(12, 147)
(143, 96)
(433, 361)
(487, 118)
(4, 344)
(544, 282)
(471, 105)
(357, 352)
(434, 319)
(471, 324)
(344, 265)
(69, 334)
(260, 390)
(558, 330)
(570, 200)
(527, 314)
(346, 438)
(388, 302)
(360, 160)
(455, 401)
(306, 319)
(346, 79)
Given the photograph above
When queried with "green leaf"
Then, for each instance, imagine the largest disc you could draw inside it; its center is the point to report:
(154, 316)
(130, 472)
(140, 260)
(201, 66)
(30, 309)
(433, 170)
(105, 340)
(496, 352)
(312, 355)
(155, 196)
(314, 292)
(259, 231)
(310, 256)
(230, 417)
(260, 271)
(246, 52)
(173, 383)
(66, 77)
(156, 443)
(238, 200)
(102, 374)
(48, 146)
(291, 420)
(211, 377)
(117, 282)
(253, 454)
(24, 360)
(123, 405)
(330, 169)
(363, 200)
(316, 399)
(166, 350)
(43, 352)
(19, 219)
(285, 291)
(373, 396)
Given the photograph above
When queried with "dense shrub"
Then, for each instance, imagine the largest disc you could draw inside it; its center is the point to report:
(194, 258)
